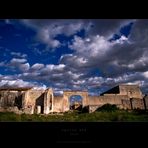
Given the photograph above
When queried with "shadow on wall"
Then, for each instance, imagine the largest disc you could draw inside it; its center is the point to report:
(40, 102)
(18, 101)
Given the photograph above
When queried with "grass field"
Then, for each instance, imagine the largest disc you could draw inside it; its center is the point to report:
(99, 116)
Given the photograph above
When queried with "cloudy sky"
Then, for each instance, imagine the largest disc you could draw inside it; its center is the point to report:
(74, 54)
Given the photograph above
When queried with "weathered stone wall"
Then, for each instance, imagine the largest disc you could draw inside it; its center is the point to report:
(111, 99)
(132, 91)
(32, 99)
(58, 104)
(43, 101)
(126, 104)
(68, 94)
(137, 103)
(7, 98)
(11, 98)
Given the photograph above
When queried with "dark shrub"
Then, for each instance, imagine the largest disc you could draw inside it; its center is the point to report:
(108, 108)
(85, 109)
(139, 111)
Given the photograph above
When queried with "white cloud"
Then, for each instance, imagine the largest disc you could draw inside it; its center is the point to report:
(121, 40)
(19, 63)
(18, 54)
(58, 91)
(59, 67)
(97, 46)
(145, 74)
(24, 67)
(52, 67)
(7, 77)
(46, 37)
(40, 87)
(37, 66)
(14, 83)
(47, 30)
(121, 61)
(17, 60)
(73, 75)
(138, 82)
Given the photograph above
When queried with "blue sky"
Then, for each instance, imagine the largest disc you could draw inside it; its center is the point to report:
(73, 54)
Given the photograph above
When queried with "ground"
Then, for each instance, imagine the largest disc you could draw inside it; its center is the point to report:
(100, 116)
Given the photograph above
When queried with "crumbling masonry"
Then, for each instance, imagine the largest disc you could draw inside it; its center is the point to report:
(30, 101)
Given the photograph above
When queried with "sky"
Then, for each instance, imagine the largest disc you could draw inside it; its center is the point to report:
(73, 54)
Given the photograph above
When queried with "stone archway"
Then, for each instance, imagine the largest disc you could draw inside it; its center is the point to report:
(68, 94)
(48, 101)
(75, 102)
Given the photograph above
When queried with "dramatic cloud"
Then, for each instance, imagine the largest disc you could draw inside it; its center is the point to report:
(106, 27)
(47, 30)
(96, 55)
(115, 59)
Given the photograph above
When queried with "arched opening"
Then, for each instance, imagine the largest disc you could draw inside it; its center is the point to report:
(75, 102)
(18, 101)
(39, 103)
(67, 98)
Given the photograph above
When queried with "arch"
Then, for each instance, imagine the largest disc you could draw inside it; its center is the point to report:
(48, 101)
(39, 102)
(75, 102)
(68, 94)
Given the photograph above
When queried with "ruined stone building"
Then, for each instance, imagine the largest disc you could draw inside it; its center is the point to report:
(30, 101)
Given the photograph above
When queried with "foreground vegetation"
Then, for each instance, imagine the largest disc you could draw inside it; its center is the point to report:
(99, 116)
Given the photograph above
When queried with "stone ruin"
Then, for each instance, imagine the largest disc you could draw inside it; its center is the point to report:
(31, 101)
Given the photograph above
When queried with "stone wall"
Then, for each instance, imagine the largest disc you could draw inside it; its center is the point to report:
(11, 98)
(58, 104)
(42, 101)
(132, 91)
(68, 94)
(32, 99)
(111, 99)
(126, 104)
(137, 103)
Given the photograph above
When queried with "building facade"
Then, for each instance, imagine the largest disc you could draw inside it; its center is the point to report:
(31, 101)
